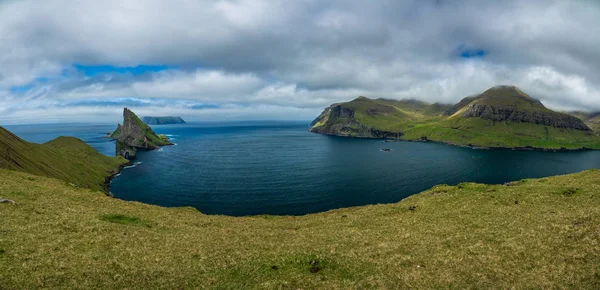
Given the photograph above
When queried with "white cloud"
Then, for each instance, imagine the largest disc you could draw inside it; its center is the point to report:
(294, 54)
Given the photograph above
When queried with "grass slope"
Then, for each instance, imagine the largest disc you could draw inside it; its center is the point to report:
(484, 133)
(393, 115)
(537, 234)
(65, 158)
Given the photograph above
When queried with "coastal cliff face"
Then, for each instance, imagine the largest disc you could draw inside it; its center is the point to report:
(552, 119)
(341, 121)
(163, 120)
(125, 150)
(135, 134)
(509, 104)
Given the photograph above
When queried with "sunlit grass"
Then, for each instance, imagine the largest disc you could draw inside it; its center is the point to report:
(538, 233)
(65, 158)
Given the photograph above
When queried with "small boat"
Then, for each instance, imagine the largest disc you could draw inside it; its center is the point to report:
(386, 149)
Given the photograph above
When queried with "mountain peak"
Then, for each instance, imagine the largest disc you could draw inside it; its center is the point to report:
(362, 98)
(505, 91)
(510, 104)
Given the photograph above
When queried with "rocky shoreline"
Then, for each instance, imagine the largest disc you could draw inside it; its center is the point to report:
(108, 179)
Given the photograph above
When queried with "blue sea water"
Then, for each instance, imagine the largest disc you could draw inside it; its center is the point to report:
(281, 168)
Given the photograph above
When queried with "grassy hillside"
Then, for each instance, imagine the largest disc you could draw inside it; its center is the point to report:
(65, 158)
(539, 234)
(484, 133)
(502, 116)
(393, 115)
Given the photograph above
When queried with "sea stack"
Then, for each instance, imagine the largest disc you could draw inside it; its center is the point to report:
(135, 134)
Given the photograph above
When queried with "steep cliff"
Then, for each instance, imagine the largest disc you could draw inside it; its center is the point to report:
(135, 134)
(125, 150)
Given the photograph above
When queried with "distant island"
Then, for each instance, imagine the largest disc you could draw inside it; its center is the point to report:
(135, 134)
(163, 120)
(500, 117)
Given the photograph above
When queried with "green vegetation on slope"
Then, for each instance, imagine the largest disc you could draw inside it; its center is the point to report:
(502, 116)
(380, 114)
(484, 133)
(65, 158)
(537, 234)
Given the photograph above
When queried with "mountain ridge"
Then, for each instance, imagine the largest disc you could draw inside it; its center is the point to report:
(500, 117)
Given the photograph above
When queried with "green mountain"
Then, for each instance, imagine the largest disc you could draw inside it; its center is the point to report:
(501, 117)
(65, 158)
(380, 118)
(162, 120)
(135, 134)
(536, 233)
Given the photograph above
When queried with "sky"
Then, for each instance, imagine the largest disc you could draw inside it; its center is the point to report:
(224, 60)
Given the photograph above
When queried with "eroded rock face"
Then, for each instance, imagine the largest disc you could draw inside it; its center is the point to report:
(135, 134)
(125, 151)
(546, 118)
(510, 104)
(338, 120)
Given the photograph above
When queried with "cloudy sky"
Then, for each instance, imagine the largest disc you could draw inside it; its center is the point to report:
(83, 61)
